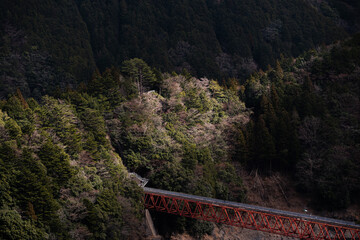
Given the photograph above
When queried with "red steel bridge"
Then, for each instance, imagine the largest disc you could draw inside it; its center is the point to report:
(291, 224)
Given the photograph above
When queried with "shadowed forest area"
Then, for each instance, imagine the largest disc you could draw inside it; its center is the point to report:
(185, 93)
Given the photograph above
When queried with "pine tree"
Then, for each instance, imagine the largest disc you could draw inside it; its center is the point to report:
(189, 159)
(275, 99)
(242, 150)
(269, 114)
(33, 186)
(308, 85)
(13, 128)
(96, 86)
(140, 73)
(279, 73)
(22, 99)
(57, 163)
(264, 145)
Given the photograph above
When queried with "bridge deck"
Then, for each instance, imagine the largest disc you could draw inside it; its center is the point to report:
(252, 207)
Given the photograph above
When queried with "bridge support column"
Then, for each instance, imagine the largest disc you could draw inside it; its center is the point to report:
(150, 228)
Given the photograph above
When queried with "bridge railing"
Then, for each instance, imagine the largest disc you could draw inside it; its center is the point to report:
(285, 223)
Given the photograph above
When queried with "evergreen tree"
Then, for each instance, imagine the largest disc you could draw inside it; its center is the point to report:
(269, 114)
(13, 128)
(264, 148)
(140, 73)
(14, 227)
(33, 186)
(242, 150)
(57, 164)
(189, 159)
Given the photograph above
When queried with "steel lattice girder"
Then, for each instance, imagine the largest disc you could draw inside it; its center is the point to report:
(256, 220)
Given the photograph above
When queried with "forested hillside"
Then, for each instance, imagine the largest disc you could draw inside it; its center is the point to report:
(62, 177)
(189, 94)
(44, 45)
(50, 44)
(209, 38)
(306, 116)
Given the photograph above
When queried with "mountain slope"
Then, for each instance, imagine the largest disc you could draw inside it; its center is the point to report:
(61, 177)
(209, 38)
(45, 45)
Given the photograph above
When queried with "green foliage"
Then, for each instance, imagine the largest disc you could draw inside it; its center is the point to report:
(94, 123)
(95, 220)
(60, 176)
(60, 45)
(140, 73)
(13, 128)
(109, 88)
(189, 160)
(217, 90)
(104, 217)
(264, 143)
(179, 138)
(13, 227)
(134, 161)
(44, 177)
(108, 203)
(242, 148)
(61, 118)
(33, 186)
(199, 228)
(17, 108)
(197, 99)
(191, 39)
(304, 123)
(171, 177)
(57, 163)
(5, 193)
(14, 108)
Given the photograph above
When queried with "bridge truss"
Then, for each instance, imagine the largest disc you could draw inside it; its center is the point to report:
(299, 226)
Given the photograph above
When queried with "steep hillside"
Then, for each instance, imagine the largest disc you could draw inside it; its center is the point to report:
(79, 108)
(209, 38)
(62, 179)
(45, 45)
(306, 114)
(59, 176)
(343, 12)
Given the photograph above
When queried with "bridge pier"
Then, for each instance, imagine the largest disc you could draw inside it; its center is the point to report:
(151, 232)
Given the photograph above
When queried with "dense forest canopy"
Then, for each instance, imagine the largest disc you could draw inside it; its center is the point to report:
(174, 91)
(212, 38)
(59, 165)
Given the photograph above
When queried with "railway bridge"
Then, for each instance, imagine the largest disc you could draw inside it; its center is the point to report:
(291, 224)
